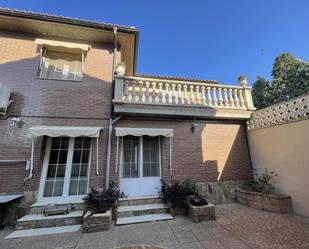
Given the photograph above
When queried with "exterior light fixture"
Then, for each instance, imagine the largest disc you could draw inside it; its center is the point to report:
(15, 122)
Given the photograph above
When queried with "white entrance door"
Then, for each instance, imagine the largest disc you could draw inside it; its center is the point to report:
(65, 173)
(140, 173)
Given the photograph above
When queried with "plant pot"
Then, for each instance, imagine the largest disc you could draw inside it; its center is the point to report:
(269, 202)
(97, 222)
(202, 213)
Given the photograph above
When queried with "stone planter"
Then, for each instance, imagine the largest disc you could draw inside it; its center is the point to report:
(97, 222)
(274, 203)
(181, 211)
(201, 213)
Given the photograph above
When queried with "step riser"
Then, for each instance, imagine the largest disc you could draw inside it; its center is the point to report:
(40, 210)
(49, 223)
(142, 212)
(142, 219)
(135, 202)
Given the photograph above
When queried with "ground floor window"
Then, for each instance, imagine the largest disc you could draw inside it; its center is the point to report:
(141, 156)
(66, 166)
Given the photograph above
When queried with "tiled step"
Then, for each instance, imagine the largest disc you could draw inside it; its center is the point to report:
(137, 210)
(133, 201)
(33, 221)
(143, 218)
(43, 231)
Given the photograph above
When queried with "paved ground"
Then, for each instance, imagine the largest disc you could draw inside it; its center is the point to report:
(236, 227)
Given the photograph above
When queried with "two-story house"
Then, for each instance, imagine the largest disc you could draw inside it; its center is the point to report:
(81, 117)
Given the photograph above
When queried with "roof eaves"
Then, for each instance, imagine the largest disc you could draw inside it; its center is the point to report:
(66, 20)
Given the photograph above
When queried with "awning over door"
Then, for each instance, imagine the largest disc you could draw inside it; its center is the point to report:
(69, 131)
(152, 132)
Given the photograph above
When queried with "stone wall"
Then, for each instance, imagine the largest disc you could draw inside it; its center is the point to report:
(220, 192)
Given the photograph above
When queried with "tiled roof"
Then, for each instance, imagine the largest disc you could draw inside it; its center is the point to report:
(176, 78)
(63, 19)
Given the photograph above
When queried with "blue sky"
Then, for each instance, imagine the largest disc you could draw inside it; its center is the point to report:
(219, 39)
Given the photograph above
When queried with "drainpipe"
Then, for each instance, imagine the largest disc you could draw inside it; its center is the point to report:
(111, 121)
(114, 53)
(109, 147)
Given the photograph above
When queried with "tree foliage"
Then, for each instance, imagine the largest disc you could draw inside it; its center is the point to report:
(290, 78)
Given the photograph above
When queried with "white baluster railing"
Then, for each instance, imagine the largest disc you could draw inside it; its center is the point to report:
(173, 92)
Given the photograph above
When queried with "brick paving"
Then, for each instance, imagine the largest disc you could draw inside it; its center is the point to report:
(236, 227)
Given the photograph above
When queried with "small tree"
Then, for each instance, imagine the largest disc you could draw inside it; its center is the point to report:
(261, 93)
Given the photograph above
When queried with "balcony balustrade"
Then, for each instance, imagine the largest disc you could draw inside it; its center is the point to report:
(162, 92)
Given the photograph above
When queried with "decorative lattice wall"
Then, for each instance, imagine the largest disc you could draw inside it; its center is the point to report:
(284, 112)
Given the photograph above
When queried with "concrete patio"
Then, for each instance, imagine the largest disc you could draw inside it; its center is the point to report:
(236, 227)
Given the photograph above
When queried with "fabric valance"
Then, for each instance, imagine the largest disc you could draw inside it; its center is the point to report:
(69, 45)
(69, 131)
(120, 132)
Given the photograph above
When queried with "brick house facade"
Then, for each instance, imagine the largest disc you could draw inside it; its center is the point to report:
(208, 144)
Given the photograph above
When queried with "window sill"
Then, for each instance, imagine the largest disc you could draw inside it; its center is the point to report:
(41, 78)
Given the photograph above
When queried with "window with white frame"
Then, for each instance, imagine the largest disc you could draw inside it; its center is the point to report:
(141, 156)
(68, 166)
(151, 162)
(130, 156)
(61, 65)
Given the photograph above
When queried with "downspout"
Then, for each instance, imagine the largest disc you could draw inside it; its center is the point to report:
(109, 147)
(111, 121)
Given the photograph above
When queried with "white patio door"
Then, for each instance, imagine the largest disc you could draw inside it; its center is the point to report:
(65, 172)
(140, 173)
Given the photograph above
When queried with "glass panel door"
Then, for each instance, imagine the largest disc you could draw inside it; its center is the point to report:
(67, 167)
(56, 167)
(151, 163)
(130, 156)
(79, 172)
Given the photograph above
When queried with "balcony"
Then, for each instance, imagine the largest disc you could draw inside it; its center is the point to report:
(163, 97)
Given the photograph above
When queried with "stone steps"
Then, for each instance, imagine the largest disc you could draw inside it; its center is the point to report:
(142, 209)
(43, 231)
(32, 221)
(143, 218)
(137, 210)
(133, 201)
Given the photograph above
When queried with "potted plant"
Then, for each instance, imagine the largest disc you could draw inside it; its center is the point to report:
(175, 194)
(261, 194)
(100, 204)
(200, 209)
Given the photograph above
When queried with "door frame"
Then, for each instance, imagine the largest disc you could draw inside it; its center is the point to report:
(140, 163)
(66, 184)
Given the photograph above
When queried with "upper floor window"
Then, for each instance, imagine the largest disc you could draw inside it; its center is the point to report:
(61, 65)
(61, 60)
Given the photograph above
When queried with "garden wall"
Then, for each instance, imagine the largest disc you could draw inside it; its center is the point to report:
(283, 147)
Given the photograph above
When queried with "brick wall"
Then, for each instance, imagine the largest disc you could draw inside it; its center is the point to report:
(216, 150)
(49, 102)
